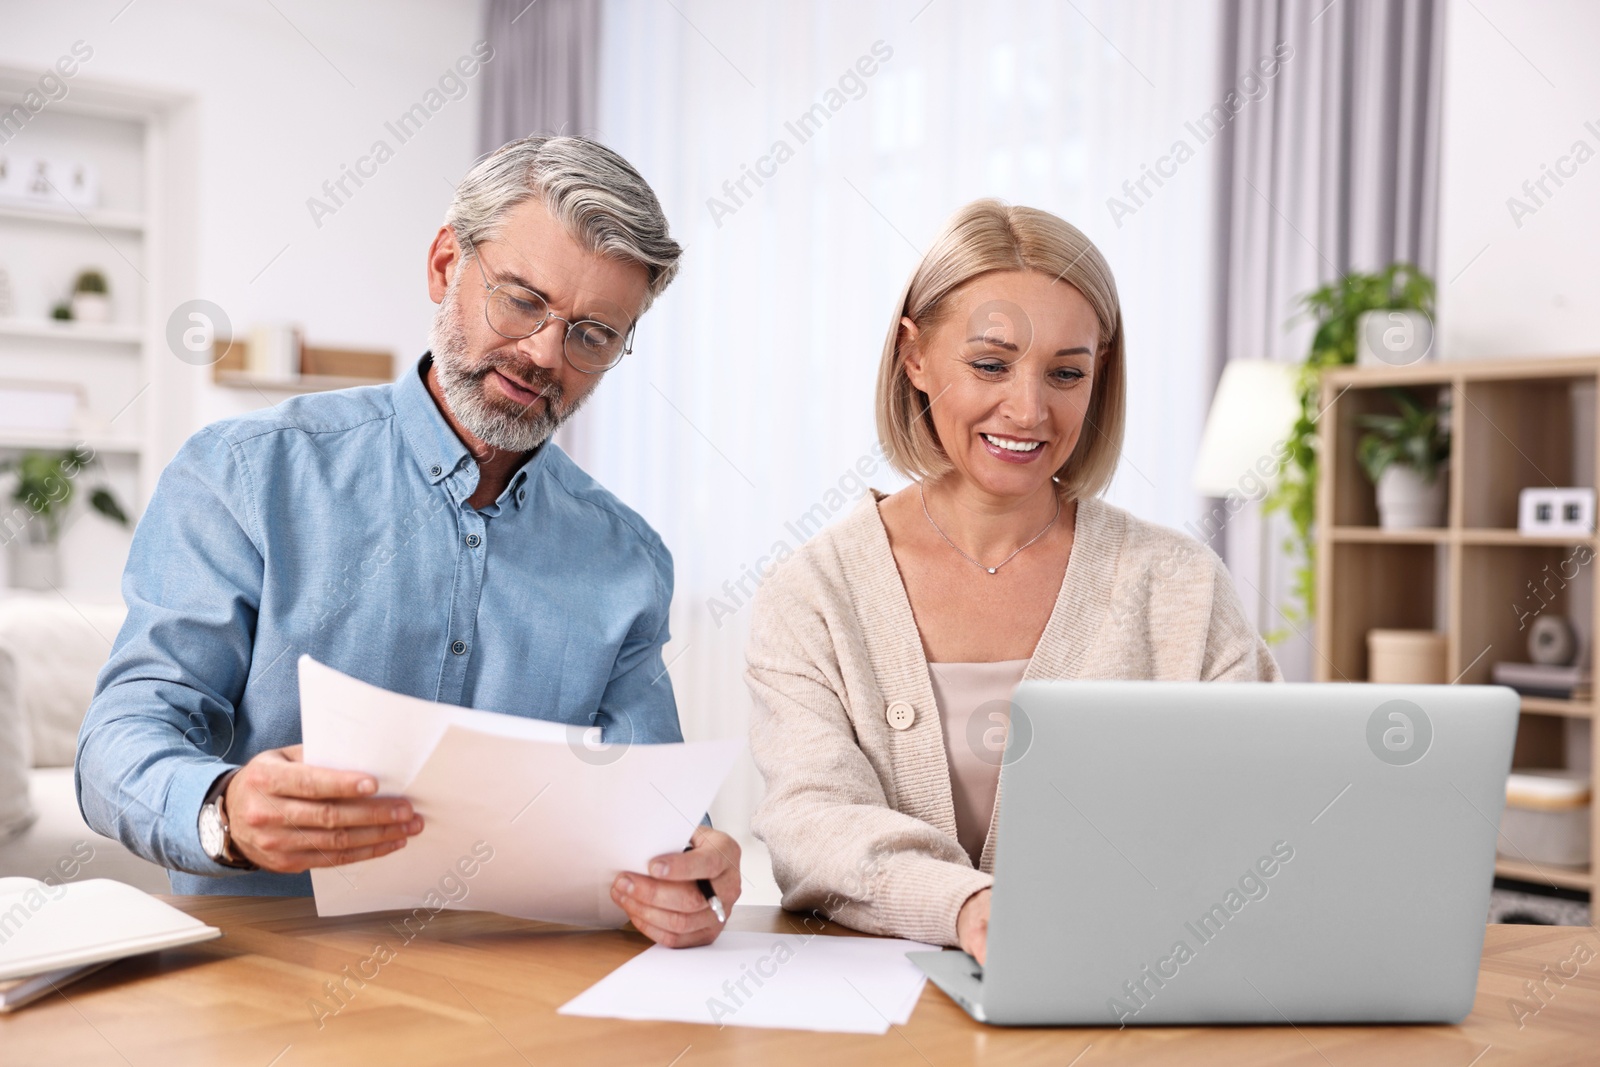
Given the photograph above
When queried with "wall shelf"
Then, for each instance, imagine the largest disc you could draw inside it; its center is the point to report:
(26, 441)
(304, 383)
(109, 332)
(93, 219)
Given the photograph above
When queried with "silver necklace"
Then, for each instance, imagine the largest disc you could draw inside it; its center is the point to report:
(968, 558)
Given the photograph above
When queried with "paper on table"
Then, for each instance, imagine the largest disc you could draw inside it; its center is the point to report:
(857, 985)
(520, 816)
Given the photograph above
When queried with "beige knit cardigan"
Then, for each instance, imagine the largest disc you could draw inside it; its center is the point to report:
(858, 815)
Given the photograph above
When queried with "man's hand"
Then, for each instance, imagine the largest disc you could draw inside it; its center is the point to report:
(972, 925)
(668, 907)
(287, 817)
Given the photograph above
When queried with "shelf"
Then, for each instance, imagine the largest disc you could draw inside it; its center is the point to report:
(1577, 709)
(1450, 372)
(66, 216)
(1512, 537)
(1376, 535)
(22, 440)
(54, 330)
(305, 383)
(1544, 874)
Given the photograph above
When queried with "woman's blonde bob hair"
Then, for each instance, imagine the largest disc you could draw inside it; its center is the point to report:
(985, 236)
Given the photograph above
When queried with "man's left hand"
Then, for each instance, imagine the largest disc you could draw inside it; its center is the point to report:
(667, 907)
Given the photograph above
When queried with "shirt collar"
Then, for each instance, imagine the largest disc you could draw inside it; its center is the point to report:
(437, 450)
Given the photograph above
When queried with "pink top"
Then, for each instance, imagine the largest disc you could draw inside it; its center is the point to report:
(974, 710)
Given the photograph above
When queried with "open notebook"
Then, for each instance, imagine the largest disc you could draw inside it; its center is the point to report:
(55, 933)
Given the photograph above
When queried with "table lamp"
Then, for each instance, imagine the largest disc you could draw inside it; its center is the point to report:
(1254, 409)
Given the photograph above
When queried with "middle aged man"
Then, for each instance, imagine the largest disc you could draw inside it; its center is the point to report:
(424, 536)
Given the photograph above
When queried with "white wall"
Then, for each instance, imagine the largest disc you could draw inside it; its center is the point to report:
(284, 95)
(1521, 89)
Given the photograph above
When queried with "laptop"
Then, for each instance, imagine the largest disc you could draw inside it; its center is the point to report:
(1192, 853)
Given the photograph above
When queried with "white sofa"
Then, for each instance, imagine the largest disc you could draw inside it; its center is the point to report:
(50, 652)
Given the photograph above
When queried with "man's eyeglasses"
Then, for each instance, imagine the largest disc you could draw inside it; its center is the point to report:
(515, 312)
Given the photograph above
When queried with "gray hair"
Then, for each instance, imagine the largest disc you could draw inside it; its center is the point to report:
(594, 193)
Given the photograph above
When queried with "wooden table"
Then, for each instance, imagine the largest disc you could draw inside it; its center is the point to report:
(472, 988)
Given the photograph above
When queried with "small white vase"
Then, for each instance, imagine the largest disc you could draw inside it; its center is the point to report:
(1393, 337)
(1408, 502)
(91, 307)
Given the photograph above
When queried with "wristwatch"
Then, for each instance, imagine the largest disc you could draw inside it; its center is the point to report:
(214, 836)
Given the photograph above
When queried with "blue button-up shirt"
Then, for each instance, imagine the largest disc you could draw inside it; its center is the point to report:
(338, 525)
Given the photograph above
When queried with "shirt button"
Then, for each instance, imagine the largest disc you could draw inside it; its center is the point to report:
(522, 495)
(473, 540)
(436, 470)
(458, 647)
(901, 715)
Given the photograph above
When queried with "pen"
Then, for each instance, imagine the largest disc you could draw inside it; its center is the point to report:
(710, 894)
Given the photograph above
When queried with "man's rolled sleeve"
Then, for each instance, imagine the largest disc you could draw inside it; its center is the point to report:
(161, 725)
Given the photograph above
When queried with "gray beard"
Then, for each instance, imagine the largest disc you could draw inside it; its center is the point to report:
(493, 419)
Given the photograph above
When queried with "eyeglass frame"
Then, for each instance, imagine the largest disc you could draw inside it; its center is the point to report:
(549, 313)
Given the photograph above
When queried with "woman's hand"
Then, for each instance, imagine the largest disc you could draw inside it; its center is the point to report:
(972, 925)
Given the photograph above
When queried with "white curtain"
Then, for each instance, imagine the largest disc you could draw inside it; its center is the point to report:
(748, 402)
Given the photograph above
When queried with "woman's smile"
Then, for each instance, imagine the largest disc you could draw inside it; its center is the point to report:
(1010, 449)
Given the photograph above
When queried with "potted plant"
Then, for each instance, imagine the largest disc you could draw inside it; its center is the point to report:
(1405, 456)
(1337, 310)
(44, 489)
(91, 301)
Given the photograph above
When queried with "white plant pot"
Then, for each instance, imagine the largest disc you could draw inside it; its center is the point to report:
(91, 307)
(1393, 337)
(34, 564)
(1407, 502)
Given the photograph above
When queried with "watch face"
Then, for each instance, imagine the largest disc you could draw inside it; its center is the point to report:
(211, 831)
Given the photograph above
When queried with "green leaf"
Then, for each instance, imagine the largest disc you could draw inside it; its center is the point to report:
(1336, 310)
(106, 504)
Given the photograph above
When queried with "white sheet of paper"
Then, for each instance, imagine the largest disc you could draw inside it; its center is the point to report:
(516, 821)
(858, 985)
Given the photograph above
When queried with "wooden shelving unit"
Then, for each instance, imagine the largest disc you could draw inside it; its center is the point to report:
(1514, 423)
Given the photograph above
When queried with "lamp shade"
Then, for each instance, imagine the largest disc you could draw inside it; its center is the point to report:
(1251, 416)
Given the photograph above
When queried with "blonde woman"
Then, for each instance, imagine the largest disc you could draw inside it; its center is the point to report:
(879, 652)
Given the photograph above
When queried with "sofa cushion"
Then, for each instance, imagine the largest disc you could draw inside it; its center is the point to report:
(16, 810)
(57, 649)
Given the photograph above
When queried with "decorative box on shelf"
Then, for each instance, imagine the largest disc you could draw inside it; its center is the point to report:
(1546, 817)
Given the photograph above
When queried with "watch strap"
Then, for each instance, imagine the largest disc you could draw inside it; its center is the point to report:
(214, 795)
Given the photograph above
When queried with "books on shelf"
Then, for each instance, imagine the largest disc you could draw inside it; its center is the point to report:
(53, 934)
(1544, 680)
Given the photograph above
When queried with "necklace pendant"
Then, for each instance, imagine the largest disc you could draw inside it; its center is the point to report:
(993, 569)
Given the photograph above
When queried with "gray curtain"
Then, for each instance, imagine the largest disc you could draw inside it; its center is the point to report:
(544, 79)
(1334, 169)
(545, 73)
